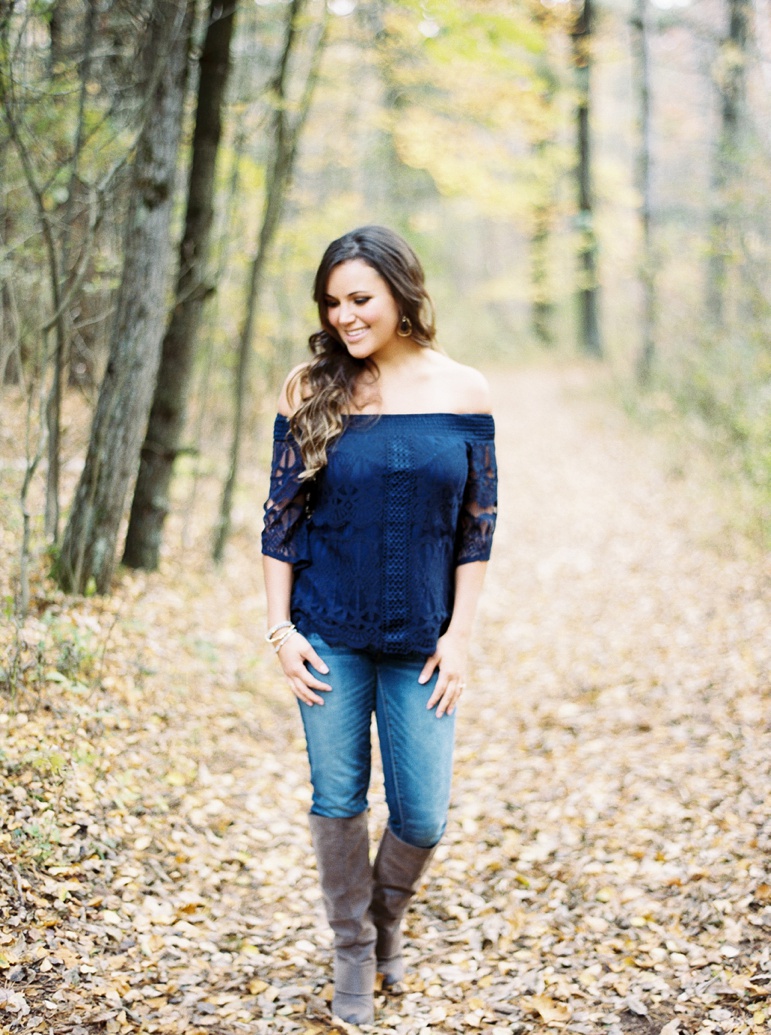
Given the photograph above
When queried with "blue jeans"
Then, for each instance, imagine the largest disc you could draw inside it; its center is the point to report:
(415, 746)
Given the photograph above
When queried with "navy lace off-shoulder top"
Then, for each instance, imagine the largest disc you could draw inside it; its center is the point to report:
(376, 536)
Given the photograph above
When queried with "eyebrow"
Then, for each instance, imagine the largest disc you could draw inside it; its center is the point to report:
(351, 294)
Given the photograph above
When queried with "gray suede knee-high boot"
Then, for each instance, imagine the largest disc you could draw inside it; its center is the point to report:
(396, 875)
(342, 854)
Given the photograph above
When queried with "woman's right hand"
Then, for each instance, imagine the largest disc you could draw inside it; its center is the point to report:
(293, 656)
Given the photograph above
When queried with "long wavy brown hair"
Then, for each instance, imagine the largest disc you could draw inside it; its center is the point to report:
(327, 384)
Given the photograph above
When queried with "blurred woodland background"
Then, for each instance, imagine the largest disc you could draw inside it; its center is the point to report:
(578, 177)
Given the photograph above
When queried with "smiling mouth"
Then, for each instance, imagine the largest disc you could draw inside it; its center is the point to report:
(356, 334)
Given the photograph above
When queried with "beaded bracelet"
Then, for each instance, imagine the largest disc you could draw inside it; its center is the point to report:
(280, 643)
(270, 635)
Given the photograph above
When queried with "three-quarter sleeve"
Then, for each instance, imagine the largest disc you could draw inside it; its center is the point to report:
(480, 504)
(284, 534)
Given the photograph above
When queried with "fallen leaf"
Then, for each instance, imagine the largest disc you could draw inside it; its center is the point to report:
(671, 1028)
(13, 1002)
(548, 1008)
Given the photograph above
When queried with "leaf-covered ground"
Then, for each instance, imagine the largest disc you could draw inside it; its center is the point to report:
(606, 866)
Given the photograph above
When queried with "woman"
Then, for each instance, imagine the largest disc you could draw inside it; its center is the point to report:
(377, 530)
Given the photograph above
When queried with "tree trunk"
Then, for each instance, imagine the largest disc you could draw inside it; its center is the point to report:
(286, 136)
(88, 549)
(10, 344)
(167, 416)
(78, 202)
(588, 291)
(56, 22)
(641, 47)
(732, 84)
(542, 308)
(54, 407)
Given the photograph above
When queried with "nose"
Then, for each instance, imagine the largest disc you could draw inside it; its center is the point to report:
(346, 314)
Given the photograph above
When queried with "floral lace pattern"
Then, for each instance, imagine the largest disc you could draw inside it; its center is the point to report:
(404, 500)
(283, 534)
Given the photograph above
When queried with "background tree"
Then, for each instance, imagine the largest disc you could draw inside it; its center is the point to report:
(66, 117)
(731, 81)
(167, 416)
(286, 129)
(90, 540)
(641, 47)
(588, 289)
(547, 172)
(14, 117)
(70, 276)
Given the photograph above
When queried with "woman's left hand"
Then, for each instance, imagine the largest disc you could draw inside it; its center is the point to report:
(451, 658)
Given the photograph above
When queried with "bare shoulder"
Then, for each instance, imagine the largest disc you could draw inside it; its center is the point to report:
(467, 388)
(291, 392)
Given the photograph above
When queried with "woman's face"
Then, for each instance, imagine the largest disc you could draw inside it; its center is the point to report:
(361, 309)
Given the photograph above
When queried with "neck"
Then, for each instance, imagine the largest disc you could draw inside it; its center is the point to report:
(399, 358)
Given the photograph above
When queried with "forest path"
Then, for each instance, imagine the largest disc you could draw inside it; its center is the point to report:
(605, 867)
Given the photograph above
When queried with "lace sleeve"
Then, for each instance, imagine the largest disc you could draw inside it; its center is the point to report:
(284, 534)
(480, 504)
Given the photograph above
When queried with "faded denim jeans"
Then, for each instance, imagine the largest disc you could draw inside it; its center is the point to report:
(416, 746)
